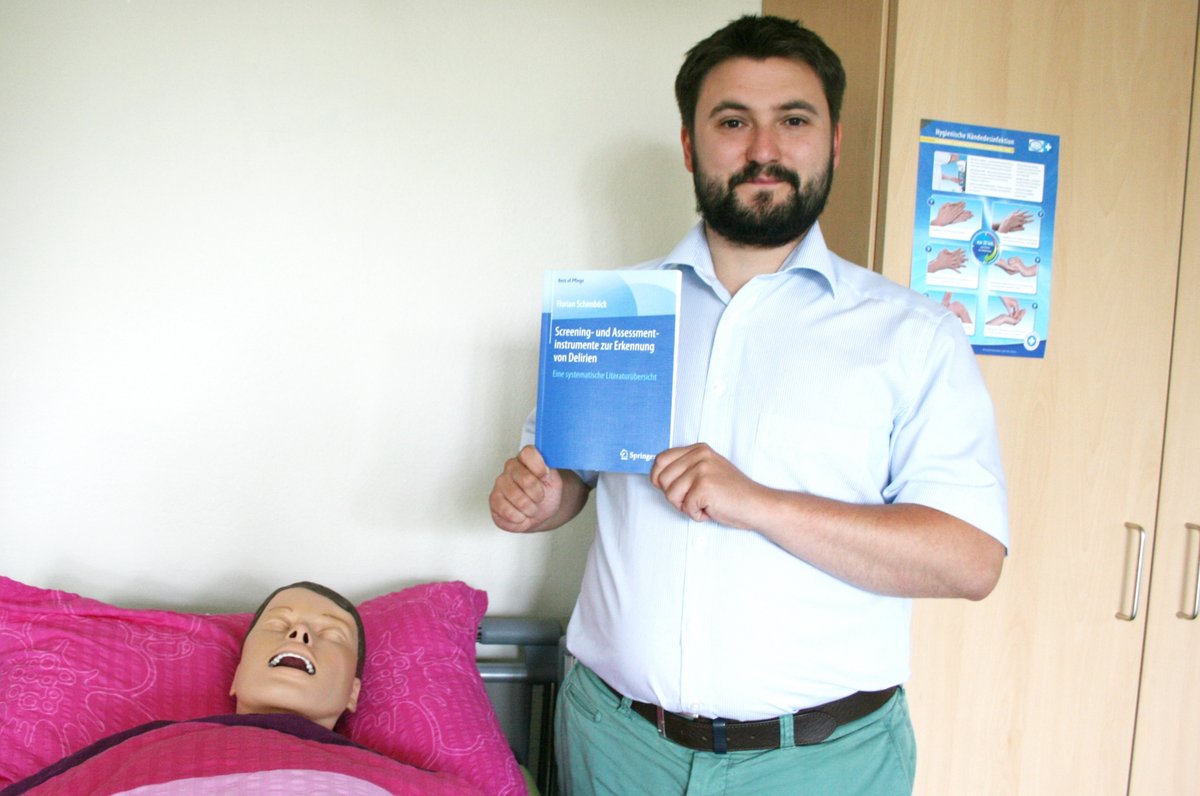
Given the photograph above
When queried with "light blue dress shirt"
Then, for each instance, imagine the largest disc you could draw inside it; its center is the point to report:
(824, 378)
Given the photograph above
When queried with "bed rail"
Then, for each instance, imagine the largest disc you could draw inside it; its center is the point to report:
(524, 686)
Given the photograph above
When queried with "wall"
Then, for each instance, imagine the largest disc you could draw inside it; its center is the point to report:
(270, 275)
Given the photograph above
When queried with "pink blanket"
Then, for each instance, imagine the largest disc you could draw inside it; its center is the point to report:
(234, 754)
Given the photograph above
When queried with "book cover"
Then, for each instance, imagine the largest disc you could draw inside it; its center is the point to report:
(606, 371)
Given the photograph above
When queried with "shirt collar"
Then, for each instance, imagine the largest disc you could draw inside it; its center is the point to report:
(811, 255)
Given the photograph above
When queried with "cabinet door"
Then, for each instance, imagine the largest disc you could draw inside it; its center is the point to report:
(1035, 689)
(1165, 758)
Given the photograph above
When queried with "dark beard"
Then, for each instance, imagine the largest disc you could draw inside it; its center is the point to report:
(760, 225)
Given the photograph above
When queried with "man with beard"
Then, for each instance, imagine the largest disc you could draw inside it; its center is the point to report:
(743, 622)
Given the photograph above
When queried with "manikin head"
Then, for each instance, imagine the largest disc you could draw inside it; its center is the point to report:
(303, 654)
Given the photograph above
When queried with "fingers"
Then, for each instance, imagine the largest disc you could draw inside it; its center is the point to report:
(1015, 221)
(959, 212)
(949, 213)
(524, 492)
(946, 258)
(666, 476)
(686, 477)
(704, 485)
(532, 459)
(663, 464)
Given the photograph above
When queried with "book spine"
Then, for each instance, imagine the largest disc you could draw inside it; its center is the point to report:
(544, 352)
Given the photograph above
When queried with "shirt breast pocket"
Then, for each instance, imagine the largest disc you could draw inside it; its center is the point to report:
(833, 459)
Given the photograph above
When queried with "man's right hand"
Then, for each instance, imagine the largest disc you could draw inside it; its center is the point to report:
(528, 494)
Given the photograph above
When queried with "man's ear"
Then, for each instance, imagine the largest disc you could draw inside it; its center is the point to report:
(686, 139)
(354, 688)
(837, 144)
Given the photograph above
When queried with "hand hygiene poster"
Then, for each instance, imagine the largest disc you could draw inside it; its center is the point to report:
(984, 232)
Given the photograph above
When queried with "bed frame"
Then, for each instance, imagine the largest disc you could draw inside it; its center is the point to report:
(523, 686)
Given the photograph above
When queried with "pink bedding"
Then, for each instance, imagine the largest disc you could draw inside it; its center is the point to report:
(234, 754)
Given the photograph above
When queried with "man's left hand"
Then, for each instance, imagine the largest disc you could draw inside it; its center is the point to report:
(702, 484)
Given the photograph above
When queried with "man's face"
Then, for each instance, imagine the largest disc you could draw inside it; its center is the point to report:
(300, 657)
(762, 151)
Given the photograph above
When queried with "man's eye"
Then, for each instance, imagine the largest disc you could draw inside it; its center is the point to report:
(732, 124)
(795, 121)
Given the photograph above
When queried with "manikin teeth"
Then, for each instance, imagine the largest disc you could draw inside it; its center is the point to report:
(294, 661)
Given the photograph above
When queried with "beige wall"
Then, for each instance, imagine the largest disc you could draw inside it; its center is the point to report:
(269, 279)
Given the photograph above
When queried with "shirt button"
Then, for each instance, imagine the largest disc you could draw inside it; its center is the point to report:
(718, 388)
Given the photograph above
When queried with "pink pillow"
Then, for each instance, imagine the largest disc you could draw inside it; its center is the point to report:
(74, 670)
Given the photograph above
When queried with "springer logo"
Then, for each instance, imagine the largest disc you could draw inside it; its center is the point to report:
(635, 456)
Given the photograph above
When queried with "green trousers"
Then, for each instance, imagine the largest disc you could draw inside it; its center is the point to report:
(603, 747)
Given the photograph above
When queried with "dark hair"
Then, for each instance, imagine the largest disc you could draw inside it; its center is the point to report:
(330, 594)
(759, 38)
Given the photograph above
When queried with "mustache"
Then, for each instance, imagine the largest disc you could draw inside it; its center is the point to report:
(772, 170)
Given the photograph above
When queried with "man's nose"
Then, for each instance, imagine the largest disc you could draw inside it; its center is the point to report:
(300, 633)
(764, 145)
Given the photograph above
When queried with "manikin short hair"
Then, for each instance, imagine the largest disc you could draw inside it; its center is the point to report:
(336, 599)
(759, 38)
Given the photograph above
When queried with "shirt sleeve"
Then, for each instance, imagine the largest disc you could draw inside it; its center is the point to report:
(945, 452)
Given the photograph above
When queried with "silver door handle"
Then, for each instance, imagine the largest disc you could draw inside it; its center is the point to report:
(1137, 581)
(1191, 526)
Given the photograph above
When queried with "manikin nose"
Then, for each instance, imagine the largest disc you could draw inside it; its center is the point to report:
(300, 634)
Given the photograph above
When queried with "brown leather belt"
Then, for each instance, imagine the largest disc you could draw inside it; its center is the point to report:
(812, 725)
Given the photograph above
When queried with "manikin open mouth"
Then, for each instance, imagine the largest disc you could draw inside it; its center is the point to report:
(293, 661)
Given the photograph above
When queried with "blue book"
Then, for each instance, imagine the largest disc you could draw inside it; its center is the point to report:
(606, 371)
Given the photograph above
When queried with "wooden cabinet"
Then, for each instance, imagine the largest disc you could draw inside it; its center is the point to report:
(1167, 738)
(1039, 688)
